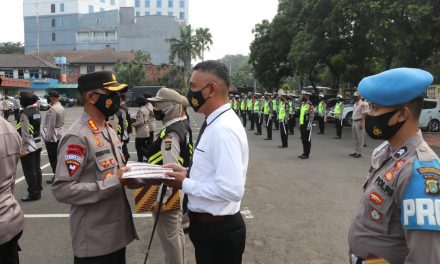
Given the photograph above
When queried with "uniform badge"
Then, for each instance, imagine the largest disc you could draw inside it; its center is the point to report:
(92, 125)
(167, 145)
(377, 131)
(376, 198)
(375, 215)
(400, 152)
(108, 174)
(389, 175)
(98, 140)
(195, 102)
(74, 157)
(432, 187)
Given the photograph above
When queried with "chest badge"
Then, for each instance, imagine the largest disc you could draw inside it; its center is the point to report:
(432, 187)
(376, 198)
(375, 215)
(98, 140)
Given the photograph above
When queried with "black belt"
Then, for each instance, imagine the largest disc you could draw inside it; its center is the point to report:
(207, 218)
(357, 120)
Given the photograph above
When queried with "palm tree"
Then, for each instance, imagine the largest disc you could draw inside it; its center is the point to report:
(204, 39)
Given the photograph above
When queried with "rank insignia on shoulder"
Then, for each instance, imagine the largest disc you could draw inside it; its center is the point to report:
(92, 125)
(168, 145)
(402, 151)
(98, 140)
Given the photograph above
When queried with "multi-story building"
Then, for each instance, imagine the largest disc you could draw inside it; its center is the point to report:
(176, 8)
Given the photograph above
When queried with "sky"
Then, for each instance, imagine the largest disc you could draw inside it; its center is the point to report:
(230, 22)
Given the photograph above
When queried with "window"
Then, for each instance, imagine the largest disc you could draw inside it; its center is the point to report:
(112, 2)
(429, 104)
(159, 3)
(34, 74)
(54, 37)
(9, 73)
(91, 9)
(170, 13)
(137, 3)
(138, 13)
(53, 22)
(62, 7)
(20, 74)
(159, 13)
(170, 3)
(110, 36)
(61, 22)
(101, 9)
(182, 4)
(147, 13)
(182, 15)
(90, 68)
(147, 3)
(52, 8)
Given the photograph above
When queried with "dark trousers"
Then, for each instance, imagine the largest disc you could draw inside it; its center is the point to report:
(51, 148)
(125, 150)
(258, 120)
(32, 172)
(275, 117)
(221, 242)
(338, 128)
(305, 134)
(291, 124)
(117, 257)
(283, 133)
(268, 126)
(6, 114)
(16, 114)
(243, 116)
(251, 117)
(142, 146)
(9, 250)
(321, 124)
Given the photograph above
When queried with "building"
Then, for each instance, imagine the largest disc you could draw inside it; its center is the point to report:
(173, 8)
(118, 28)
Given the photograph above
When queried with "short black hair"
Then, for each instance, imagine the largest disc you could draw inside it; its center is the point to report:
(216, 68)
(416, 106)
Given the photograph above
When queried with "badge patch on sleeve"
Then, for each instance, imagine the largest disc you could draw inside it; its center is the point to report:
(74, 157)
(168, 145)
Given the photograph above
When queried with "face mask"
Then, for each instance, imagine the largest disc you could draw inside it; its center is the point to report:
(377, 126)
(108, 104)
(158, 114)
(196, 99)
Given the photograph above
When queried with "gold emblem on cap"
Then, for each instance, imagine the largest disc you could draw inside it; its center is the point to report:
(195, 102)
(377, 131)
(108, 103)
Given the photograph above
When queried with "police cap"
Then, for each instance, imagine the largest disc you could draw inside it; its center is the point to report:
(53, 93)
(395, 87)
(105, 80)
(27, 98)
(166, 95)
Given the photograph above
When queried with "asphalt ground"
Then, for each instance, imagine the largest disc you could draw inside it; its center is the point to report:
(296, 211)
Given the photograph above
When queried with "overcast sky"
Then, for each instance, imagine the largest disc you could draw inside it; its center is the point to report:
(230, 22)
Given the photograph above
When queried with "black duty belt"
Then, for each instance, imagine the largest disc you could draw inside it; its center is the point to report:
(207, 218)
(357, 120)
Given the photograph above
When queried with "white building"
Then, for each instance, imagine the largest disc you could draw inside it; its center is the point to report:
(176, 8)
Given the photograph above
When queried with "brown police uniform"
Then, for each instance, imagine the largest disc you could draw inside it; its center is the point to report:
(53, 131)
(377, 232)
(11, 216)
(100, 218)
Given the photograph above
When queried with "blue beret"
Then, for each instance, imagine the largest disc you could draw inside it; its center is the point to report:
(395, 87)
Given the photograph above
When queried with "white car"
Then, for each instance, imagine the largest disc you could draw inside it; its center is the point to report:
(346, 113)
(430, 117)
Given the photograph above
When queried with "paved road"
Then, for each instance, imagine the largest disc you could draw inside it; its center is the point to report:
(296, 211)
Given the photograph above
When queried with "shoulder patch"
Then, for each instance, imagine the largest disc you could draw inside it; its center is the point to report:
(74, 157)
(402, 151)
(167, 144)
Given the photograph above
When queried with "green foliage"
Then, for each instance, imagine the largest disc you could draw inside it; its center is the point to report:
(11, 48)
(240, 79)
(133, 73)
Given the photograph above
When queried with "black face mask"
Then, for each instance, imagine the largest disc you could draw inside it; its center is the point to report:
(377, 126)
(48, 100)
(158, 114)
(196, 99)
(108, 104)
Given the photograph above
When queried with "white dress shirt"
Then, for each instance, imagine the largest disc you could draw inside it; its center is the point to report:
(218, 172)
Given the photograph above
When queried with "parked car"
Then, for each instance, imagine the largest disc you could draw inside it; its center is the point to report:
(347, 113)
(42, 104)
(69, 102)
(430, 117)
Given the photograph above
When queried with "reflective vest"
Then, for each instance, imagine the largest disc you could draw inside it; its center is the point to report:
(243, 105)
(281, 111)
(274, 104)
(266, 108)
(146, 196)
(303, 112)
(231, 103)
(34, 122)
(291, 108)
(338, 109)
(249, 104)
(257, 105)
(321, 107)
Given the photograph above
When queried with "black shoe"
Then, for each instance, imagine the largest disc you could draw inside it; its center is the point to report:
(50, 180)
(29, 198)
(267, 138)
(304, 157)
(337, 137)
(353, 154)
(301, 155)
(357, 156)
(257, 133)
(365, 145)
(281, 146)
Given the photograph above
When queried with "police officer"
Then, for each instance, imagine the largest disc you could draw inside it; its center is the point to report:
(53, 129)
(30, 153)
(11, 215)
(142, 129)
(171, 146)
(250, 110)
(360, 109)
(396, 220)
(152, 120)
(243, 108)
(89, 175)
(283, 114)
(5, 107)
(292, 120)
(267, 111)
(338, 110)
(321, 113)
(275, 111)
(258, 118)
(120, 122)
(305, 124)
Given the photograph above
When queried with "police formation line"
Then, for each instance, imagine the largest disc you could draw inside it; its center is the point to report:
(397, 220)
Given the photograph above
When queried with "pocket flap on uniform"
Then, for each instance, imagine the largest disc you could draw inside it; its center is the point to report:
(105, 160)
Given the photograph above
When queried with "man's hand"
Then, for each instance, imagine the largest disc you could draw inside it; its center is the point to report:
(361, 126)
(121, 172)
(23, 153)
(179, 173)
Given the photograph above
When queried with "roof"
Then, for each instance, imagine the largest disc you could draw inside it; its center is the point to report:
(104, 56)
(24, 61)
(8, 82)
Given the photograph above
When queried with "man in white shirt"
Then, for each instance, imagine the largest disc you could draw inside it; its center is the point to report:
(217, 176)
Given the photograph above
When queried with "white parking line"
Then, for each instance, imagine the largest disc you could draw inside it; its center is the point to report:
(67, 215)
(22, 177)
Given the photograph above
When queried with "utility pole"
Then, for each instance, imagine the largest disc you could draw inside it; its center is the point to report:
(38, 31)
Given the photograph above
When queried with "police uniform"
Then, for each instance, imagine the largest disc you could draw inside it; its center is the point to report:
(267, 111)
(243, 109)
(360, 108)
(321, 111)
(283, 115)
(275, 111)
(11, 215)
(53, 131)
(101, 222)
(292, 119)
(338, 111)
(142, 130)
(250, 110)
(31, 145)
(305, 126)
(258, 117)
(397, 217)
(173, 145)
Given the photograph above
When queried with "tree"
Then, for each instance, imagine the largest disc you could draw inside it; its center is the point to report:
(237, 63)
(11, 48)
(239, 79)
(204, 40)
(133, 73)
